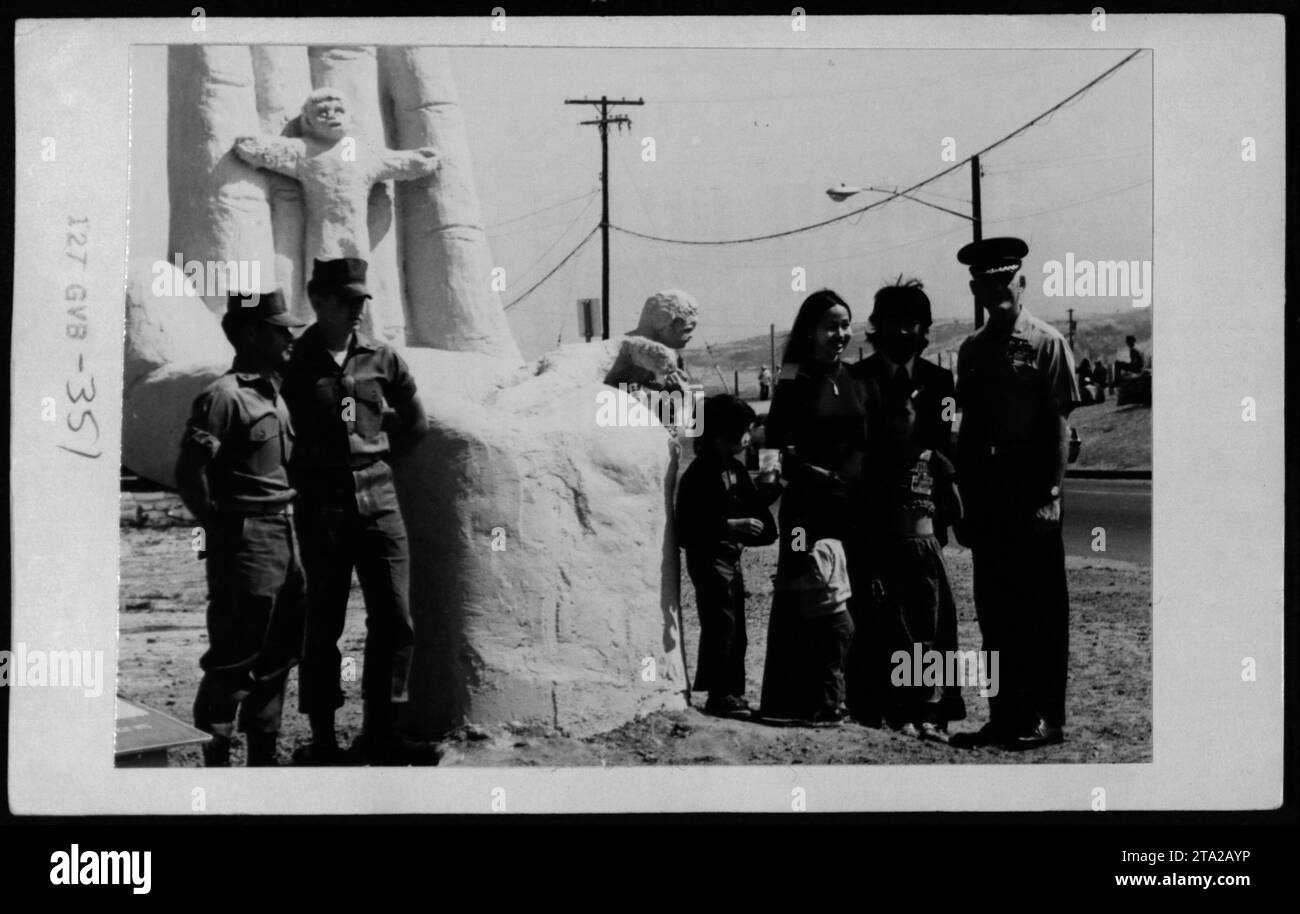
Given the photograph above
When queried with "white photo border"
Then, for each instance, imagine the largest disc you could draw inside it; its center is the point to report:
(1218, 480)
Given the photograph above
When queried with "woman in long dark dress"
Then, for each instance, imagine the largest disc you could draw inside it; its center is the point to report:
(819, 421)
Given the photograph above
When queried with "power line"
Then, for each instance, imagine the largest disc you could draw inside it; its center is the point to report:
(856, 91)
(935, 193)
(859, 253)
(1055, 209)
(558, 238)
(631, 179)
(531, 288)
(564, 312)
(1072, 162)
(622, 162)
(1013, 218)
(907, 190)
(593, 191)
(535, 230)
(1114, 153)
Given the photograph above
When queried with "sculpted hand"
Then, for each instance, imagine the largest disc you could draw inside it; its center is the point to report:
(226, 209)
(676, 380)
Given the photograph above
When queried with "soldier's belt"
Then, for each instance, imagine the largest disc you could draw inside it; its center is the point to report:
(330, 473)
(344, 481)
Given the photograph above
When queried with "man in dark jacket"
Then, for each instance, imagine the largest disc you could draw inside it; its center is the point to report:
(895, 380)
(900, 322)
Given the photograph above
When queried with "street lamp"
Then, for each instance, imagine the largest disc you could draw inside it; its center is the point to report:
(841, 192)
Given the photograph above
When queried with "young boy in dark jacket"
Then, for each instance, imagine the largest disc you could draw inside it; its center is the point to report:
(719, 512)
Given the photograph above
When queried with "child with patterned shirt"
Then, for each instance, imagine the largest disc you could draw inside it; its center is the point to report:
(916, 498)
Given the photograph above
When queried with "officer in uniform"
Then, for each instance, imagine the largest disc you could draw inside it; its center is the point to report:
(1015, 386)
(348, 394)
(232, 475)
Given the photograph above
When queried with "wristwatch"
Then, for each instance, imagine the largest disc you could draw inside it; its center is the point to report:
(1054, 493)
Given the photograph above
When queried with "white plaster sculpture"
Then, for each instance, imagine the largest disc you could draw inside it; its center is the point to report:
(336, 171)
(517, 503)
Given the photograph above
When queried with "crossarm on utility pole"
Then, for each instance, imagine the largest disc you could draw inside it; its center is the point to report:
(603, 123)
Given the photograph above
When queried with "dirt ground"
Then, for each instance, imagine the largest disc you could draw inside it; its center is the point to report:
(162, 635)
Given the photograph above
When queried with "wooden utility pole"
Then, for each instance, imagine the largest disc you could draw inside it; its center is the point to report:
(976, 224)
(603, 123)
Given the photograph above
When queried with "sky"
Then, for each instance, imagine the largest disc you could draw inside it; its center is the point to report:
(746, 142)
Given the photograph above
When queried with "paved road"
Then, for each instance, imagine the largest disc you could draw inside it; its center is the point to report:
(1121, 506)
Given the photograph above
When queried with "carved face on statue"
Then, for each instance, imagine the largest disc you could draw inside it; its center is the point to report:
(669, 317)
(679, 332)
(325, 114)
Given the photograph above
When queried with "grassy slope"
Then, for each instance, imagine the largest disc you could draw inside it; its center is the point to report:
(1114, 437)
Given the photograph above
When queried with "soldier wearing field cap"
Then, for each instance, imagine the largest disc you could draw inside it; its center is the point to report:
(1015, 386)
(232, 475)
(354, 402)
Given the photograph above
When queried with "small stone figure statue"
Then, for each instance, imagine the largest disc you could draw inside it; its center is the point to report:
(649, 356)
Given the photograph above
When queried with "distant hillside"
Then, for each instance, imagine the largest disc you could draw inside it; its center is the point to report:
(1094, 335)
